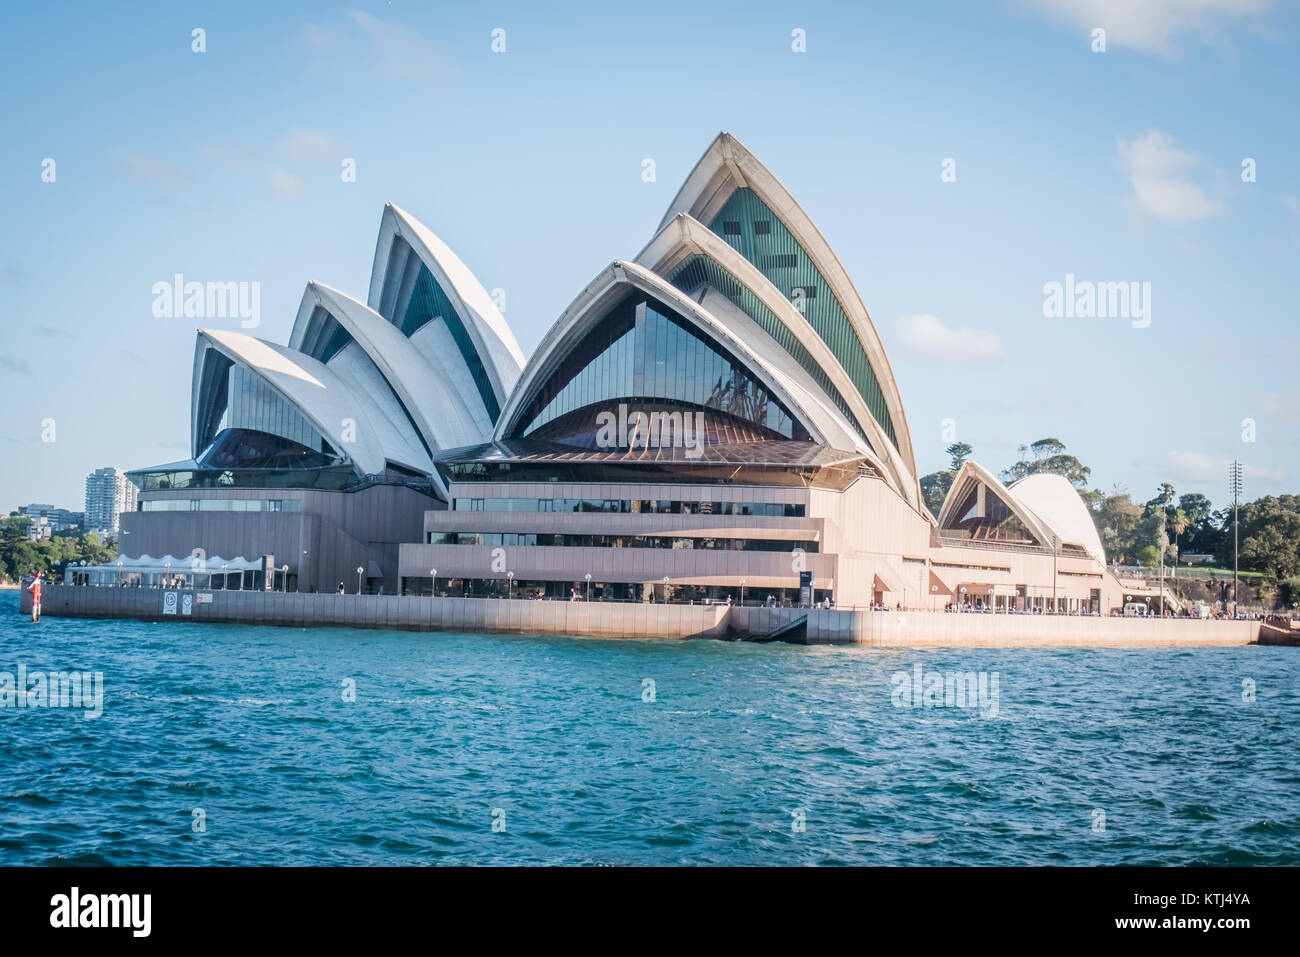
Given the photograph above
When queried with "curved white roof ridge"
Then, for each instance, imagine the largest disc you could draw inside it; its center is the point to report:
(491, 334)
(586, 308)
(311, 387)
(972, 470)
(1057, 503)
(439, 411)
(684, 235)
(727, 163)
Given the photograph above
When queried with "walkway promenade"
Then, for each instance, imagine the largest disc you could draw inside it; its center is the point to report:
(628, 620)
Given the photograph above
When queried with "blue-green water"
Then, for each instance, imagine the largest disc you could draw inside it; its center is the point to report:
(552, 739)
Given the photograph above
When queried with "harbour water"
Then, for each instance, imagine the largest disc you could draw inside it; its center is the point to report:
(258, 745)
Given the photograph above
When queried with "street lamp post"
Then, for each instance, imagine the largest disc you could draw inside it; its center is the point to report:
(225, 579)
(510, 585)
(433, 583)
(361, 570)
(119, 573)
(665, 589)
(1055, 548)
(284, 578)
(1162, 582)
(1234, 480)
(167, 570)
(588, 577)
(742, 593)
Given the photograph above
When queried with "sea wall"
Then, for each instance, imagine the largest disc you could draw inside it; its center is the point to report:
(628, 620)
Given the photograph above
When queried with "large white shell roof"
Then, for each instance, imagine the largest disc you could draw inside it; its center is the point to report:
(1054, 500)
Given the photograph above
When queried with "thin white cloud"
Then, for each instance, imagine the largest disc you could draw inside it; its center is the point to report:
(1161, 187)
(1200, 467)
(401, 52)
(1283, 408)
(309, 144)
(286, 184)
(1292, 203)
(148, 169)
(319, 38)
(926, 335)
(1157, 26)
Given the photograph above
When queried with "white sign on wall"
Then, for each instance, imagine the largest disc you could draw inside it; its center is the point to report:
(187, 604)
(169, 603)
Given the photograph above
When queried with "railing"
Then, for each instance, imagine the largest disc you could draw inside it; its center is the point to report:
(1173, 571)
(1065, 551)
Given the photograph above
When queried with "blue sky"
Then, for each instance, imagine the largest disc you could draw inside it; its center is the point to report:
(1115, 166)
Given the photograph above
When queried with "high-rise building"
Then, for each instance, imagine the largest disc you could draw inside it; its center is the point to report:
(109, 493)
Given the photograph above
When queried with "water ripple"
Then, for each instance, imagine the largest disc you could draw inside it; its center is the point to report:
(223, 745)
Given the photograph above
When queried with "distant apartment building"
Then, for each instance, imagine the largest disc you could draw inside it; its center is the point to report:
(109, 493)
(46, 520)
(59, 519)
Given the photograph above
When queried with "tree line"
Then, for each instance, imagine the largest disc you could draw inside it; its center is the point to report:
(19, 556)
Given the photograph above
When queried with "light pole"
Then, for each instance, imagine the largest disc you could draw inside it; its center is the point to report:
(167, 570)
(119, 573)
(1055, 546)
(990, 603)
(361, 570)
(225, 579)
(1234, 481)
(433, 583)
(1162, 582)
(742, 593)
(510, 585)
(588, 576)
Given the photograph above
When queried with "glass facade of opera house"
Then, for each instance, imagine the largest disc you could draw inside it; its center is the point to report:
(716, 416)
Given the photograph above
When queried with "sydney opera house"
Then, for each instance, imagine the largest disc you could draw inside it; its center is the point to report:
(715, 415)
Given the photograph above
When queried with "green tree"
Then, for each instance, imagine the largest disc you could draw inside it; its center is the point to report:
(19, 556)
(1152, 535)
(936, 485)
(1048, 455)
(959, 453)
(1164, 495)
(1269, 536)
(1116, 517)
(1176, 523)
(1196, 506)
